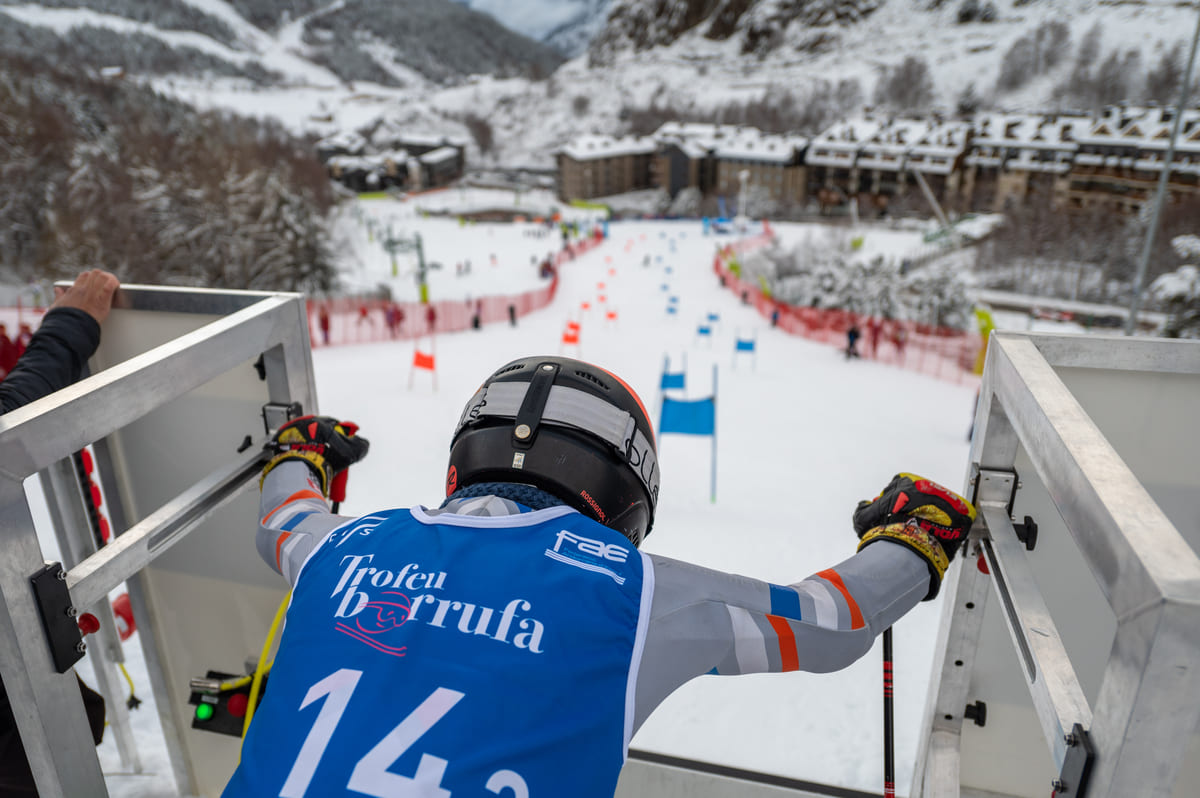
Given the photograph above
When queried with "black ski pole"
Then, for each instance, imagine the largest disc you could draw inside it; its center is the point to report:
(889, 753)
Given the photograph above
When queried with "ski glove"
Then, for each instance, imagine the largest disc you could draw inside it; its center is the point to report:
(921, 514)
(327, 445)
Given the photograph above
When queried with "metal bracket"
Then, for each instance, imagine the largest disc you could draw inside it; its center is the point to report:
(276, 414)
(1072, 782)
(995, 486)
(58, 616)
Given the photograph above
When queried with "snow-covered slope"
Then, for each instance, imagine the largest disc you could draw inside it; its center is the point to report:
(671, 62)
(566, 25)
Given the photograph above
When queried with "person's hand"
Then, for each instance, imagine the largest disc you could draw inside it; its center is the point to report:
(92, 293)
(919, 513)
(327, 445)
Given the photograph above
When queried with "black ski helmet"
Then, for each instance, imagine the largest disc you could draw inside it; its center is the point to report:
(567, 427)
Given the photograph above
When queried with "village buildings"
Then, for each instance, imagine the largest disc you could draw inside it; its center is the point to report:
(1121, 156)
(1110, 160)
(1018, 157)
(392, 159)
(601, 166)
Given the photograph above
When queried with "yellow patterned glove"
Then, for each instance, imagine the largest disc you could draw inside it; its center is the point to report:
(327, 445)
(916, 512)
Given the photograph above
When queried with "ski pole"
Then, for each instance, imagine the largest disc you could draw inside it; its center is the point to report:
(889, 758)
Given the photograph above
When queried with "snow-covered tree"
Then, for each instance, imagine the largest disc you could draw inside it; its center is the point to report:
(822, 272)
(1178, 292)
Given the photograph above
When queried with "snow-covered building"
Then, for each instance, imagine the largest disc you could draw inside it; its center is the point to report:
(359, 172)
(873, 159)
(1015, 157)
(599, 166)
(774, 164)
(939, 153)
(686, 157)
(392, 158)
(832, 159)
(1121, 156)
(343, 143)
(437, 167)
(713, 158)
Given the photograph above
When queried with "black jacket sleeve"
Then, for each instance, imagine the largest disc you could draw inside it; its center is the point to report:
(54, 358)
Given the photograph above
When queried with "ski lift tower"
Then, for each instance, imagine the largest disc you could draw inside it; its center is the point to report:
(397, 244)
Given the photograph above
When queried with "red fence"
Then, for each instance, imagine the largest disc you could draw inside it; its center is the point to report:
(353, 320)
(942, 352)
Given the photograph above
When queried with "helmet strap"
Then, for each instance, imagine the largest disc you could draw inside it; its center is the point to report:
(530, 413)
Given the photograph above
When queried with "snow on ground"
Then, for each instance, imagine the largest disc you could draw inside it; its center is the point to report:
(802, 436)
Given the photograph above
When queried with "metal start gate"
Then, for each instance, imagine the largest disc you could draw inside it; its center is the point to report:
(184, 386)
(1083, 676)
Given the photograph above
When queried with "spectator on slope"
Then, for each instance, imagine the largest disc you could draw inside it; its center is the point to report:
(55, 357)
(323, 323)
(8, 351)
(852, 336)
(514, 638)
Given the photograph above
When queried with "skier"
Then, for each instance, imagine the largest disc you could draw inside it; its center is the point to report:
(514, 637)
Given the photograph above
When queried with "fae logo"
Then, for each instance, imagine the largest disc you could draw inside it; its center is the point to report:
(587, 553)
(596, 548)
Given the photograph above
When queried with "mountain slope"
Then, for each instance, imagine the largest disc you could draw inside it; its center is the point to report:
(781, 64)
(388, 42)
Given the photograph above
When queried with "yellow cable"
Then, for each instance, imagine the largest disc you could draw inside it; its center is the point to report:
(262, 667)
(234, 684)
(121, 665)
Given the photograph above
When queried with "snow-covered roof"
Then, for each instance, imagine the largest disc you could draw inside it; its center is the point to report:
(346, 140)
(1033, 131)
(349, 163)
(440, 155)
(750, 144)
(1148, 128)
(839, 144)
(429, 139)
(594, 146)
(395, 156)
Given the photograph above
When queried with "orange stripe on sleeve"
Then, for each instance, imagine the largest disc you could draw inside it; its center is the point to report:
(789, 660)
(856, 619)
(297, 496)
(278, 546)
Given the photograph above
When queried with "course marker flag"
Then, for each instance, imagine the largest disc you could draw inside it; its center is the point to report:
(692, 417)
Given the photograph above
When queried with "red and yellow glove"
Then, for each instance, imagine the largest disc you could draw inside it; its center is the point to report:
(327, 445)
(918, 513)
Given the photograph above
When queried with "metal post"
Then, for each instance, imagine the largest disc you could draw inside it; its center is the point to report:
(1161, 193)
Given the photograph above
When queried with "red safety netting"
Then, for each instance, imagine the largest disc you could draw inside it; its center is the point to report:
(354, 320)
(942, 352)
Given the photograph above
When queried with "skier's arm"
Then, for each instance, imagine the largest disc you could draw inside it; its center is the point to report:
(293, 518)
(311, 452)
(705, 621)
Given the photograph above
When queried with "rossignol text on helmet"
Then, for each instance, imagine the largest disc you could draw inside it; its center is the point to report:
(569, 428)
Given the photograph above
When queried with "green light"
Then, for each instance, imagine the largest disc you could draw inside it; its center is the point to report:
(204, 712)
